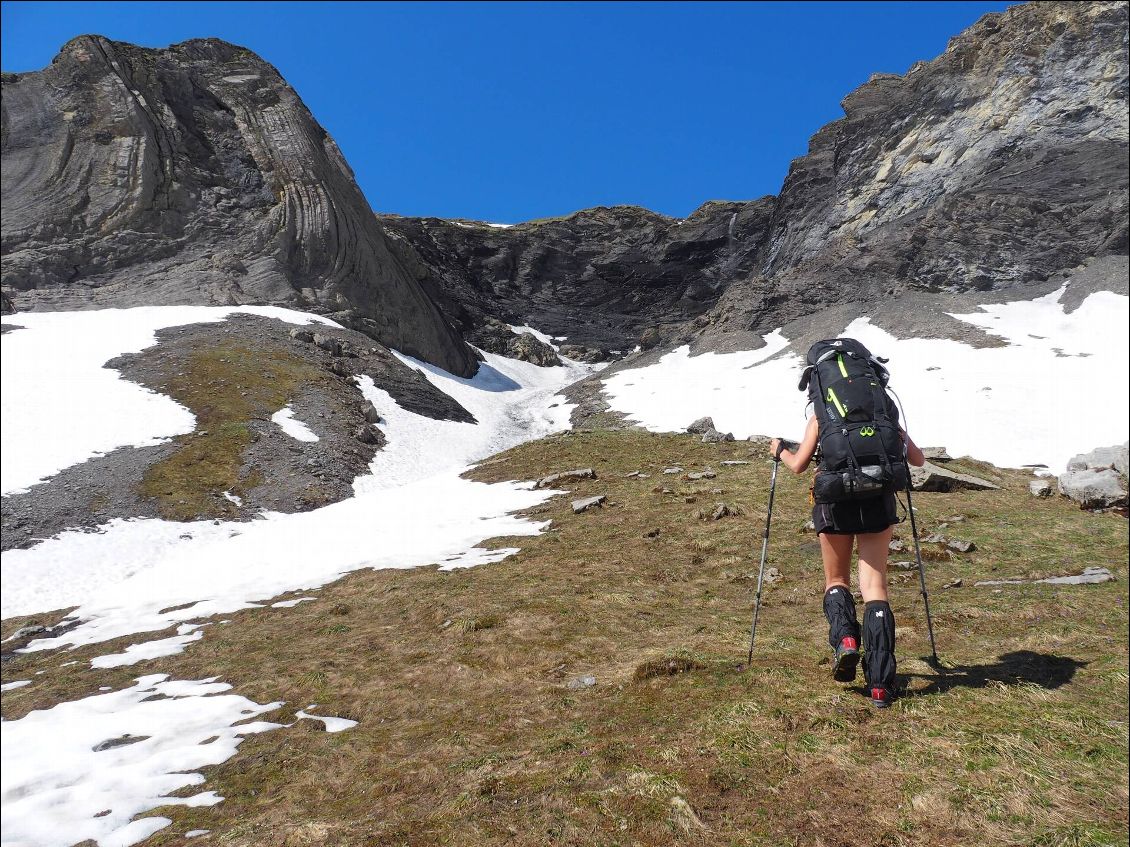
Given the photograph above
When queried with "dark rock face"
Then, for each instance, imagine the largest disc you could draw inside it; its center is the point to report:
(494, 336)
(601, 277)
(194, 175)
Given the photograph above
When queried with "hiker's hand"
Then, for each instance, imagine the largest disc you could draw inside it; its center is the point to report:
(774, 448)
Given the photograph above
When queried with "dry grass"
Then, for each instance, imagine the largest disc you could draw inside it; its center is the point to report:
(471, 735)
(225, 386)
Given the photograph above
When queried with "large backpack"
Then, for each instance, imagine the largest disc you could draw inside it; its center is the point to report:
(861, 452)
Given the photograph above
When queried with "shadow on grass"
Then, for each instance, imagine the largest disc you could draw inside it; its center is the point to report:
(1020, 667)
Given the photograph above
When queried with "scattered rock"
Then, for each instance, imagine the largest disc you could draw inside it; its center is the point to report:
(721, 510)
(674, 469)
(340, 367)
(588, 503)
(27, 631)
(705, 473)
(701, 426)
(651, 533)
(566, 476)
(930, 477)
(772, 575)
(1090, 576)
(330, 345)
(303, 335)
(960, 546)
(713, 436)
(120, 741)
(1041, 488)
(581, 682)
(731, 462)
(809, 526)
(957, 583)
(897, 545)
(370, 434)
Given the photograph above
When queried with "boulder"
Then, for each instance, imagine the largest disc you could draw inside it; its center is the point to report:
(1102, 457)
(1041, 488)
(1094, 489)
(930, 477)
(330, 345)
(303, 335)
(565, 476)
(370, 412)
(589, 503)
(713, 436)
(701, 426)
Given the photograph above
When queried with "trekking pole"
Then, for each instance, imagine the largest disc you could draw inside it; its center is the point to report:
(921, 573)
(764, 551)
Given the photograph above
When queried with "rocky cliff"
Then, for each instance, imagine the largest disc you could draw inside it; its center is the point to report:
(993, 167)
(602, 277)
(193, 175)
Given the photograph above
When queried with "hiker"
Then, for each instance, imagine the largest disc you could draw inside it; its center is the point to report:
(854, 503)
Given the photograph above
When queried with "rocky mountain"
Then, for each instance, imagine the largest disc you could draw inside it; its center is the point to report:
(993, 167)
(194, 175)
(600, 276)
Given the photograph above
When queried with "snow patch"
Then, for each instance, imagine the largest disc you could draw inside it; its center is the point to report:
(293, 427)
(332, 724)
(1035, 401)
(134, 653)
(290, 604)
(18, 683)
(52, 371)
(58, 790)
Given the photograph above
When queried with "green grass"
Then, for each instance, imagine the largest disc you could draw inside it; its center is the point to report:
(225, 386)
(469, 733)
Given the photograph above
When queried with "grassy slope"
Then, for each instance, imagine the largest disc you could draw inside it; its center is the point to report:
(225, 386)
(470, 734)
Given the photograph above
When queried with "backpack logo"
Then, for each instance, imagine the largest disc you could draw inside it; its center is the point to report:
(867, 431)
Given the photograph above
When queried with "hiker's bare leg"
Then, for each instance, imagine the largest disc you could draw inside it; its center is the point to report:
(874, 547)
(836, 552)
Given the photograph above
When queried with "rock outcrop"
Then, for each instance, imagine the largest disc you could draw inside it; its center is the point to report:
(606, 278)
(194, 175)
(994, 166)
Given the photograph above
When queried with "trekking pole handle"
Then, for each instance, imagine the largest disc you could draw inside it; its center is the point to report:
(784, 444)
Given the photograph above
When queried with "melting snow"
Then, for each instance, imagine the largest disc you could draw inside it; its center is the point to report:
(332, 724)
(186, 634)
(412, 510)
(293, 427)
(1042, 405)
(52, 369)
(151, 738)
(18, 683)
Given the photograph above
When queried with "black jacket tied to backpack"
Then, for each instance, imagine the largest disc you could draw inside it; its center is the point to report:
(861, 451)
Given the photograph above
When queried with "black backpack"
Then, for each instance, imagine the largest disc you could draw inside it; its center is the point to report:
(861, 452)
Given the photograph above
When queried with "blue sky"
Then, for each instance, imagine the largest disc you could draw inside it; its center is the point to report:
(511, 111)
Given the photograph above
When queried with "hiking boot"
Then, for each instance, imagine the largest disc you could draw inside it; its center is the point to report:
(847, 657)
(881, 697)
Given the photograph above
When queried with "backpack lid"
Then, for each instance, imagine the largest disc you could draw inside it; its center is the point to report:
(821, 351)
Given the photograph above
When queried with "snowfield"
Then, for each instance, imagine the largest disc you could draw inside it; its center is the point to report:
(412, 509)
(52, 371)
(1057, 389)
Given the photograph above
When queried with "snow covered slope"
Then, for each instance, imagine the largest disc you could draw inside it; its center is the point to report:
(414, 510)
(1058, 388)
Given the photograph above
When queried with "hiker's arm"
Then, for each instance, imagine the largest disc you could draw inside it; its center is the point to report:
(914, 453)
(798, 461)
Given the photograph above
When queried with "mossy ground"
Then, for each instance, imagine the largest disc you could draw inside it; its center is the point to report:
(469, 733)
(225, 386)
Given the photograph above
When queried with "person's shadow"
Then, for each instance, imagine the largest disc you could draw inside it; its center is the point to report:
(1020, 667)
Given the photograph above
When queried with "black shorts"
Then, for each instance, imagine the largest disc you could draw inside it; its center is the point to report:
(856, 517)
